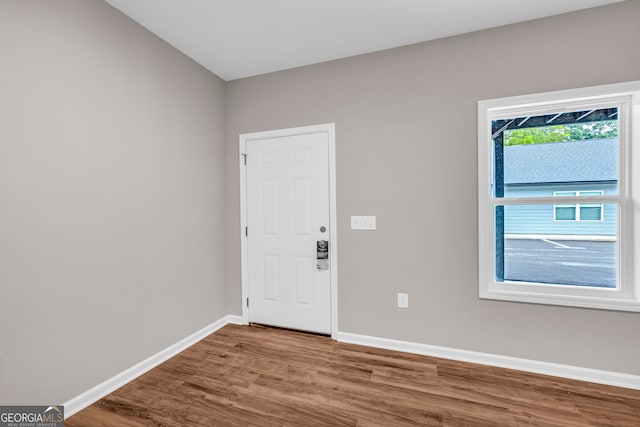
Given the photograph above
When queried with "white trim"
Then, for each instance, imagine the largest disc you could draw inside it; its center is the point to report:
(626, 297)
(577, 237)
(530, 104)
(616, 379)
(244, 248)
(333, 223)
(329, 128)
(96, 393)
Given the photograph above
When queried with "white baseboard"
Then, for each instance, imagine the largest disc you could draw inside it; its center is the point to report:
(101, 390)
(546, 368)
(617, 379)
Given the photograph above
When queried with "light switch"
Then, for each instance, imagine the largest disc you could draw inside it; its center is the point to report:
(363, 222)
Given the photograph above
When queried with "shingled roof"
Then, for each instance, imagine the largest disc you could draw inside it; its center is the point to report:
(591, 160)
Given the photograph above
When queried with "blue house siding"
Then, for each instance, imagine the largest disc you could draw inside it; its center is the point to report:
(539, 219)
(539, 170)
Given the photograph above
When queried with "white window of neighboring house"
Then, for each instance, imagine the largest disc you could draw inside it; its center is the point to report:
(559, 140)
(578, 212)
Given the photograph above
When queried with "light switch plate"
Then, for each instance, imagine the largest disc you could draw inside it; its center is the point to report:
(363, 222)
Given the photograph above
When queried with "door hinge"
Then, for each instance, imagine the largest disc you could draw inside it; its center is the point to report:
(247, 302)
(244, 158)
(246, 231)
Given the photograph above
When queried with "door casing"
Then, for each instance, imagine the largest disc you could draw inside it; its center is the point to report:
(329, 129)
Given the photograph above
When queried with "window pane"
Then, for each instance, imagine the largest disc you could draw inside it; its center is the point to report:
(565, 213)
(538, 156)
(590, 212)
(536, 249)
(591, 193)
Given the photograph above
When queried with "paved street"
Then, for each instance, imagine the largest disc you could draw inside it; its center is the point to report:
(582, 263)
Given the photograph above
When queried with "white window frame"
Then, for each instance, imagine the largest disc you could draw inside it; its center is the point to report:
(577, 206)
(626, 296)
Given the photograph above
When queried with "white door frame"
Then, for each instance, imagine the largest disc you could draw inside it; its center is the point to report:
(329, 128)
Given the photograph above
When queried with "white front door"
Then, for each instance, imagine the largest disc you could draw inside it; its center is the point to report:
(287, 214)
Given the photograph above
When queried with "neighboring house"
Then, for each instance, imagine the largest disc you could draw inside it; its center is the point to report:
(541, 170)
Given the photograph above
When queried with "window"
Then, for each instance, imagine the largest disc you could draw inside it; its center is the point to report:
(536, 149)
(579, 212)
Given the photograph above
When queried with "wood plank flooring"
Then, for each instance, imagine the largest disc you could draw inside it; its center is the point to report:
(259, 376)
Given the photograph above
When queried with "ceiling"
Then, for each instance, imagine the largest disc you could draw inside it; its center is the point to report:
(242, 38)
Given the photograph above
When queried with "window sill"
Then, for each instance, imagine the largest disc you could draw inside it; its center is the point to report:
(598, 299)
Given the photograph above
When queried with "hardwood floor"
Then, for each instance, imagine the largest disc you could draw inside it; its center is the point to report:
(259, 376)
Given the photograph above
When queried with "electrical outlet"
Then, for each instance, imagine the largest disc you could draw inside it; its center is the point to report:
(403, 300)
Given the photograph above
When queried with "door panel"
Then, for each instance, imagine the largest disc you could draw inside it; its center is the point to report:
(287, 204)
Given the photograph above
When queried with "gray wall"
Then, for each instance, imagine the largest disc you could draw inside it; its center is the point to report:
(406, 151)
(111, 197)
(119, 201)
